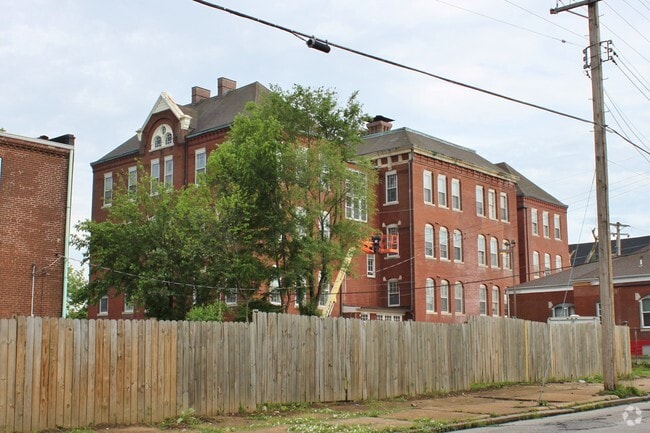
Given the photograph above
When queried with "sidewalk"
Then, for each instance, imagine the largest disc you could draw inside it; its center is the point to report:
(447, 413)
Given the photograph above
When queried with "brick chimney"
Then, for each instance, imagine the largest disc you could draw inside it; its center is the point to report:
(225, 85)
(199, 94)
(379, 124)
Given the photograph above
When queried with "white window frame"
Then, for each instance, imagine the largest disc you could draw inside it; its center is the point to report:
(564, 309)
(456, 202)
(547, 264)
(459, 298)
(393, 293)
(128, 308)
(364, 316)
(443, 243)
(200, 163)
(481, 251)
(458, 246)
(534, 222)
(393, 229)
(535, 264)
(558, 263)
(392, 191)
(427, 184)
(442, 191)
(108, 189)
(545, 225)
(444, 296)
(155, 175)
(506, 260)
(430, 303)
(356, 208)
(325, 225)
(503, 205)
(480, 201)
(132, 179)
(370, 265)
(168, 176)
(557, 227)
(275, 297)
(103, 306)
(643, 311)
(495, 301)
(492, 204)
(494, 252)
(482, 300)
(162, 137)
(231, 297)
(428, 241)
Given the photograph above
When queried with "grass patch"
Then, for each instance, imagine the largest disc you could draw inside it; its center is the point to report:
(184, 420)
(641, 370)
(595, 378)
(623, 392)
(484, 386)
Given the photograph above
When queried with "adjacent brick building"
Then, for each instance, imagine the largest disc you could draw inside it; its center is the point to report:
(457, 215)
(35, 194)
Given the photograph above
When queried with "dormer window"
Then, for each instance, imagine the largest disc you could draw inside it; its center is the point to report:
(162, 134)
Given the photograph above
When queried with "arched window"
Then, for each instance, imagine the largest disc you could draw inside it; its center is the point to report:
(459, 298)
(495, 301)
(535, 264)
(481, 250)
(443, 239)
(428, 240)
(431, 295)
(482, 299)
(558, 263)
(444, 296)
(494, 252)
(547, 264)
(162, 134)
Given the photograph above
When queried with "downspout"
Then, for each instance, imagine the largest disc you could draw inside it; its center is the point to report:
(31, 311)
(411, 240)
(66, 243)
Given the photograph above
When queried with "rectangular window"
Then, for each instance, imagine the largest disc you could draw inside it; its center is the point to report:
(534, 222)
(557, 228)
(356, 207)
(393, 230)
(427, 180)
(430, 295)
(132, 179)
(391, 187)
(299, 297)
(480, 203)
(494, 253)
(495, 301)
(506, 258)
(103, 306)
(444, 297)
(535, 264)
(325, 293)
(492, 205)
(547, 264)
(442, 190)
(231, 297)
(482, 259)
(645, 313)
(155, 175)
(458, 246)
(393, 293)
(503, 207)
(199, 164)
(108, 189)
(545, 226)
(482, 300)
(379, 317)
(370, 265)
(443, 237)
(458, 298)
(128, 308)
(455, 194)
(169, 171)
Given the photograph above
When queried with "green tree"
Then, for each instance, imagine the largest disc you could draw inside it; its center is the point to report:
(289, 174)
(77, 289)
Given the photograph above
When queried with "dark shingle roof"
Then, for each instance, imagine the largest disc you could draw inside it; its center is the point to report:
(207, 115)
(588, 251)
(405, 138)
(526, 188)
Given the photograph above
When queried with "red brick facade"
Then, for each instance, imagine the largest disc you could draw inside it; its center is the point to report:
(34, 193)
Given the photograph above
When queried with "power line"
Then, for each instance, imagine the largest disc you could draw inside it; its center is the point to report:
(547, 20)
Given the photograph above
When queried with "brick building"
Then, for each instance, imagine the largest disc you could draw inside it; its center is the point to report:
(35, 197)
(576, 291)
(455, 213)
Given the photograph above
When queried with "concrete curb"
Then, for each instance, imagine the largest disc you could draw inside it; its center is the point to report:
(464, 425)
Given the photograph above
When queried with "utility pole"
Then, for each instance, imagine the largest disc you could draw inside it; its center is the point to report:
(608, 343)
(618, 235)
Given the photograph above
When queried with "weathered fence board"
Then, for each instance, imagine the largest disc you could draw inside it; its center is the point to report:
(72, 373)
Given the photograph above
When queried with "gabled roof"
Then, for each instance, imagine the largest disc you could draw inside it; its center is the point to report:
(408, 139)
(207, 115)
(527, 188)
(631, 267)
(588, 251)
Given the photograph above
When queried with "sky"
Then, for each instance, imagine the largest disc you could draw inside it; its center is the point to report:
(95, 69)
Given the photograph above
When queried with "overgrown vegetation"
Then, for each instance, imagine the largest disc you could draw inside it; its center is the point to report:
(623, 391)
(214, 312)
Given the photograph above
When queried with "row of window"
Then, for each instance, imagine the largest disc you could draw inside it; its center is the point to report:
(103, 307)
(155, 174)
(547, 264)
(546, 228)
(449, 195)
(458, 298)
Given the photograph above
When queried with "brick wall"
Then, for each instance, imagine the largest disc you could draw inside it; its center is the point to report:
(33, 192)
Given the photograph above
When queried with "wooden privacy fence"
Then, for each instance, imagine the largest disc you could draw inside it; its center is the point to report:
(72, 373)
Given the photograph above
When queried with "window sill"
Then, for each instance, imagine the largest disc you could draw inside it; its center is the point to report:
(391, 203)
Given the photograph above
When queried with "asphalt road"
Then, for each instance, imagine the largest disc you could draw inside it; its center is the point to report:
(631, 418)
